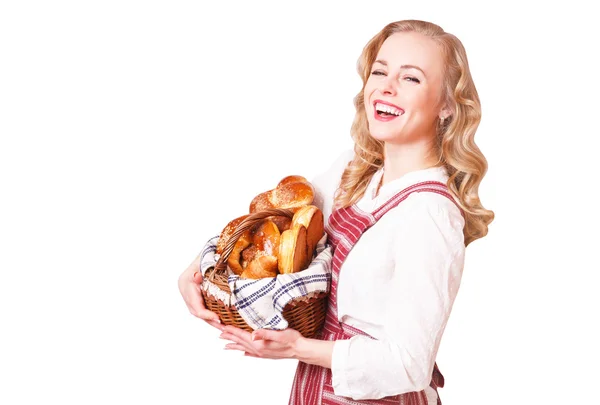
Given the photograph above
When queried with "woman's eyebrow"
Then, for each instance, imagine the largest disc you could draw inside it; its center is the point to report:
(384, 63)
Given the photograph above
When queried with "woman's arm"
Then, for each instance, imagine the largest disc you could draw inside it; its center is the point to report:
(314, 351)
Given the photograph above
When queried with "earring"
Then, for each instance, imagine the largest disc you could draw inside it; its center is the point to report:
(442, 121)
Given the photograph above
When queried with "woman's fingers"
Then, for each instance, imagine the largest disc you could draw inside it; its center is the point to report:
(216, 324)
(274, 335)
(207, 315)
(239, 333)
(259, 348)
(238, 341)
(189, 286)
(195, 303)
(235, 346)
(285, 337)
(234, 338)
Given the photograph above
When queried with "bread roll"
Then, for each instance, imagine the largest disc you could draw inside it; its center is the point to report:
(266, 238)
(292, 179)
(293, 250)
(248, 255)
(292, 192)
(265, 241)
(261, 267)
(312, 218)
(283, 223)
(234, 258)
(227, 232)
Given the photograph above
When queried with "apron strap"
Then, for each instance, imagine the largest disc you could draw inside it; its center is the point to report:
(425, 186)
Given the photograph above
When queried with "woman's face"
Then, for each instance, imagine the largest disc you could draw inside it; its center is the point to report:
(403, 94)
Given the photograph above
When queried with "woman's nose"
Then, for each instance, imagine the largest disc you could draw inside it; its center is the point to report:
(388, 86)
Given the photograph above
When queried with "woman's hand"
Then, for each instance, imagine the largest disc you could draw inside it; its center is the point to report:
(189, 287)
(285, 344)
(263, 343)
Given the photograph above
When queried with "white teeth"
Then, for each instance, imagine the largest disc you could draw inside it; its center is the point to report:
(388, 109)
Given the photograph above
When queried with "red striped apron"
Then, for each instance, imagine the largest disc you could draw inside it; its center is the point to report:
(312, 384)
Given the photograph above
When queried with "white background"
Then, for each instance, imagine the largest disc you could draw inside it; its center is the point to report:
(132, 131)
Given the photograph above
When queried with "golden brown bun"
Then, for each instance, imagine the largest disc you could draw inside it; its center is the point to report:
(236, 254)
(261, 267)
(266, 238)
(292, 179)
(248, 255)
(265, 241)
(283, 223)
(293, 252)
(227, 232)
(261, 202)
(312, 218)
(293, 195)
(292, 192)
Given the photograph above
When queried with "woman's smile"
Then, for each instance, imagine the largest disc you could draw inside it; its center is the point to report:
(385, 111)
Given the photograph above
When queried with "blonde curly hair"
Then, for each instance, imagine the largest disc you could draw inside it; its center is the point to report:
(455, 145)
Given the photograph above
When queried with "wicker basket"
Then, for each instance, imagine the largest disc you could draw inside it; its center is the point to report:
(305, 314)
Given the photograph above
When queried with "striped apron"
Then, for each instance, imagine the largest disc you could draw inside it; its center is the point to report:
(312, 384)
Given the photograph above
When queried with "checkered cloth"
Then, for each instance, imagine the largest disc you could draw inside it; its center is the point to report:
(261, 302)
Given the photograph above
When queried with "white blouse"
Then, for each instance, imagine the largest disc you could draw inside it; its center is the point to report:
(398, 284)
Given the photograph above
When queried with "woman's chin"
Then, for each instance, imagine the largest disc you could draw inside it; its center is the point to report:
(384, 136)
(383, 131)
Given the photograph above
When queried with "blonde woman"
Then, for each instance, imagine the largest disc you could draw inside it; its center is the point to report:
(401, 207)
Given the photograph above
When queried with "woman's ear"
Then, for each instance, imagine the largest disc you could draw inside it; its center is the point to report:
(445, 113)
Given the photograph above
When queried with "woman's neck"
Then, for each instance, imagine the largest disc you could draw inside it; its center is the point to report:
(402, 159)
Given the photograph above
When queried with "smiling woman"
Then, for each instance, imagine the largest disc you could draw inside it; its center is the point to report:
(400, 208)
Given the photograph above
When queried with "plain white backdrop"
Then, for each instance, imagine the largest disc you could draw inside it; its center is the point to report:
(132, 131)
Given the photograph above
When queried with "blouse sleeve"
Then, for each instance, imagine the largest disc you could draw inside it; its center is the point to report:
(427, 269)
(327, 182)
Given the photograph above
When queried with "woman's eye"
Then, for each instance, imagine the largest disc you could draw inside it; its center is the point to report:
(412, 79)
(377, 73)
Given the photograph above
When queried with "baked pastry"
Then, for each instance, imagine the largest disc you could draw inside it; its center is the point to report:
(292, 192)
(283, 223)
(248, 255)
(258, 241)
(293, 250)
(298, 244)
(312, 218)
(261, 267)
(233, 261)
(266, 238)
(227, 232)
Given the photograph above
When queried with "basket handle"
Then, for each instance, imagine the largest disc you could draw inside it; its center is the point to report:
(249, 222)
